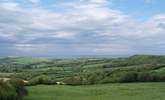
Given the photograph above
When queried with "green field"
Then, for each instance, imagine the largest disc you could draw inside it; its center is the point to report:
(130, 91)
(81, 77)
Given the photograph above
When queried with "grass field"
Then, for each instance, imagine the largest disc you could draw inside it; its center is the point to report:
(131, 91)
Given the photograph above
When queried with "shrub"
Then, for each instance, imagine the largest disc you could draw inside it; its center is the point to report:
(123, 76)
(75, 80)
(12, 90)
(43, 79)
(129, 77)
(145, 77)
(19, 86)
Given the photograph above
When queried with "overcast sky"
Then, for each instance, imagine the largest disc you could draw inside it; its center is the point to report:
(81, 27)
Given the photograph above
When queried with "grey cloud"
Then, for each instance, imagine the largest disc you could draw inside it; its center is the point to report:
(89, 25)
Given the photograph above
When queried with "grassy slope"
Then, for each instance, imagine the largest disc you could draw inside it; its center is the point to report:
(140, 91)
(22, 60)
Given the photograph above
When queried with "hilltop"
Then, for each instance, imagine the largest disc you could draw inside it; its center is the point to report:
(137, 68)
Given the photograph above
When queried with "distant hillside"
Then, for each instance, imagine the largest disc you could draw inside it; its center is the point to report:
(146, 59)
(137, 68)
(21, 60)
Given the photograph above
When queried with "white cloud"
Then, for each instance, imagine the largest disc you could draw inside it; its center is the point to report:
(35, 1)
(148, 1)
(10, 6)
(34, 48)
(105, 48)
(81, 22)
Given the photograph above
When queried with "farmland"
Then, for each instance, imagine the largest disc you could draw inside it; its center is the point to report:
(131, 91)
(135, 77)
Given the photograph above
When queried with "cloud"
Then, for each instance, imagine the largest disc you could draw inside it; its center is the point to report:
(35, 1)
(84, 26)
(149, 1)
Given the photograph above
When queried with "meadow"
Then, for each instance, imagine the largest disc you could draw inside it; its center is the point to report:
(118, 91)
(127, 78)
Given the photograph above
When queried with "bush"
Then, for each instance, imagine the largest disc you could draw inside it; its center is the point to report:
(43, 79)
(129, 77)
(19, 86)
(12, 90)
(75, 80)
(145, 77)
(123, 76)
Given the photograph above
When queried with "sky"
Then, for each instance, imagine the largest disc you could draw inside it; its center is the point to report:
(54, 28)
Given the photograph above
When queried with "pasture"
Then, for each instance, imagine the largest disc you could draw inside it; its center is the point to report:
(126, 91)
